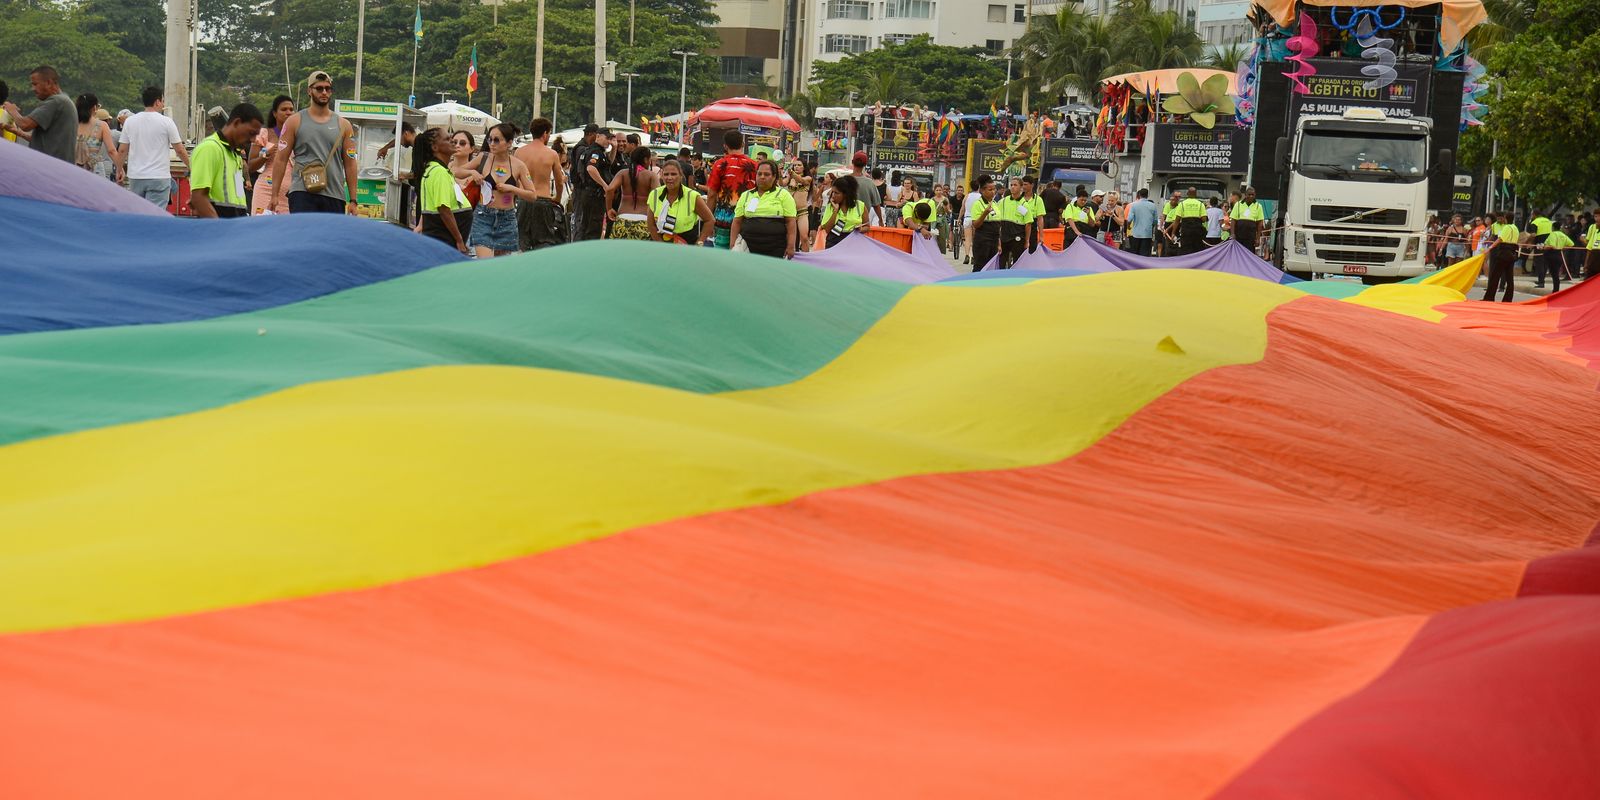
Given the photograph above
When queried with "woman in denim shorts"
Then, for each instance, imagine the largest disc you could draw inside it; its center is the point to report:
(505, 178)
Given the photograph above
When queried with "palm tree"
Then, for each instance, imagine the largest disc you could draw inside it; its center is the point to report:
(1227, 56)
(803, 105)
(1149, 39)
(1071, 50)
(888, 87)
(1507, 19)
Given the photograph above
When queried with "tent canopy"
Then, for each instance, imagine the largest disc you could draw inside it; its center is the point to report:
(1460, 16)
(750, 111)
(1165, 81)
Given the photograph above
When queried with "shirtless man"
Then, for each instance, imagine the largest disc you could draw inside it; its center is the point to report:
(541, 222)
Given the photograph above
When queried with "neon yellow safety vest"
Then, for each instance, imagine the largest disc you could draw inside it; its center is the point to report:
(1190, 208)
(1541, 225)
(1592, 238)
(1249, 211)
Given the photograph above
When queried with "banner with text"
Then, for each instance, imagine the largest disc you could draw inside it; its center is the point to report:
(1338, 85)
(1191, 148)
(1072, 153)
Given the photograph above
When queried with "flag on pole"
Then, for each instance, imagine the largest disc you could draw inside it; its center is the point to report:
(472, 73)
(416, 28)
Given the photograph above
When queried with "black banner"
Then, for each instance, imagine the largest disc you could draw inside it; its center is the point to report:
(1191, 148)
(1339, 85)
(1072, 153)
(896, 155)
(1463, 195)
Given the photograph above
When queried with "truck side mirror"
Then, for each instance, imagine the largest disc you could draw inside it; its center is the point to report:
(1446, 164)
(1282, 155)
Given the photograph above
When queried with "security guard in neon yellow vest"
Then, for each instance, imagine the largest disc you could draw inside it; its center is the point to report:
(1190, 224)
(1539, 230)
(1015, 214)
(1591, 261)
(1247, 217)
(1078, 220)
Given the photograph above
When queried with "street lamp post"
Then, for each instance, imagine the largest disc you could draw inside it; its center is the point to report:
(555, 107)
(628, 115)
(1008, 83)
(850, 112)
(683, 88)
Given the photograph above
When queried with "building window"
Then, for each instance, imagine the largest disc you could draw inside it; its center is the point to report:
(849, 9)
(743, 70)
(841, 43)
(1019, 14)
(997, 13)
(891, 39)
(994, 46)
(908, 9)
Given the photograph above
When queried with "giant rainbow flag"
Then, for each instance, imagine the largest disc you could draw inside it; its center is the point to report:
(631, 520)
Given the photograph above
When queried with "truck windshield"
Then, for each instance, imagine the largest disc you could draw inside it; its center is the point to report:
(1369, 157)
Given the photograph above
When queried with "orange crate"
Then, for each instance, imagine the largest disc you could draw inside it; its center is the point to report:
(1052, 238)
(898, 238)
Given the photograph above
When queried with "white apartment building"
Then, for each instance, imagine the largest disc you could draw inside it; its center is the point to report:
(828, 30)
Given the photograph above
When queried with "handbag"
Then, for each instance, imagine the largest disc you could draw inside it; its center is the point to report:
(314, 176)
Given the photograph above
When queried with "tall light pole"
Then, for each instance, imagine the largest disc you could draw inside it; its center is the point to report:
(538, 62)
(176, 80)
(555, 108)
(1008, 83)
(599, 62)
(1027, 27)
(361, 41)
(850, 111)
(628, 115)
(683, 88)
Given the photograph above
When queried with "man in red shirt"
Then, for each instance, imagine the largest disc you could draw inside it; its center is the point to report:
(731, 176)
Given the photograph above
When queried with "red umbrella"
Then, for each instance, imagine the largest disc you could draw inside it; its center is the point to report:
(750, 111)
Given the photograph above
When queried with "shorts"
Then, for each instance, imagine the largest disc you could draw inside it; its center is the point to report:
(307, 203)
(494, 228)
(1455, 250)
(541, 223)
(631, 226)
(156, 190)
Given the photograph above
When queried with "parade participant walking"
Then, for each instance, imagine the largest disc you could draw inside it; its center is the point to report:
(1015, 215)
(320, 146)
(1190, 223)
(681, 214)
(96, 151)
(268, 148)
(1113, 219)
(1213, 222)
(1538, 230)
(1142, 224)
(626, 197)
(216, 179)
(541, 222)
(1078, 220)
(1455, 241)
(765, 215)
(1247, 216)
(1168, 245)
(446, 214)
(845, 213)
(52, 125)
(504, 181)
(1505, 237)
(147, 139)
(1591, 254)
(1553, 256)
(867, 188)
(799, 180)
(731, 176)
(984, 227)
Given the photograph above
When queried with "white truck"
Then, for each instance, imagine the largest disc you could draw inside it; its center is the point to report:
(1357, 196)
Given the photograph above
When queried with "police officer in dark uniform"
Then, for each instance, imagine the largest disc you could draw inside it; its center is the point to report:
(1190, 225)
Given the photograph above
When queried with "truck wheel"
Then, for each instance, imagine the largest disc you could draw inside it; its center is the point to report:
(1305, 276)
(1378, 280)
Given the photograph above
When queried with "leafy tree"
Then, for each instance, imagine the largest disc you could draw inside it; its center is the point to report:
(1076, 50)
(38, 33)
(940, 77)
(1547, 119)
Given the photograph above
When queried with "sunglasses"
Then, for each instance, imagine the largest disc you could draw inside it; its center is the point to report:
(461, 143)
(322, 88)
(495, 140)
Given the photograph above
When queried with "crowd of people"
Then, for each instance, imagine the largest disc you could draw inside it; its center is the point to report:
(493, 197)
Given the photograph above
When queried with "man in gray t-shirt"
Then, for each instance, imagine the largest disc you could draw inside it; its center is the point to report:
(866, 190)
(54, 123)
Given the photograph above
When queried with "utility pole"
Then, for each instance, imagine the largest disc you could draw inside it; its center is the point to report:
(631, 9)
(850, 113)
(628, 115)
(361, 41)
(599, 62)
(494, 94)
(1027, 26)
(538, 62)
(683, 88)
(555, 108)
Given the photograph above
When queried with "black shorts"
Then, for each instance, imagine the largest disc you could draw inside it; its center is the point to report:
(309, 203)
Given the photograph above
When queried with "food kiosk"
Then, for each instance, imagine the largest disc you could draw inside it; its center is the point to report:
(380, 192)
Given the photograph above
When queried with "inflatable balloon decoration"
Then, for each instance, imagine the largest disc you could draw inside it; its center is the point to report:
(1244, 114)
(1366, 23)
(1304, 45)
(1472, 108)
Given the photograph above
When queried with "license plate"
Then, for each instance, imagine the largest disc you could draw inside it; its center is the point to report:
(1354, 269)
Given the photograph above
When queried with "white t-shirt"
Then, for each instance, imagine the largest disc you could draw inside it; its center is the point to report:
(150, 137)
(966, 206)
(1213, 222)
